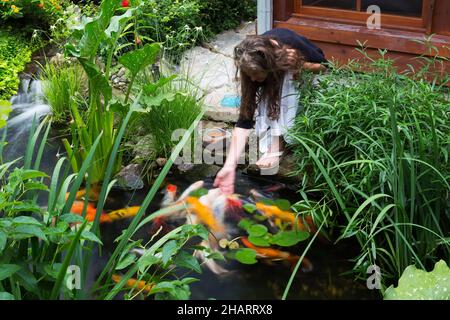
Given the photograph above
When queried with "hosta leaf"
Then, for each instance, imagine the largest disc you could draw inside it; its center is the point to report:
(416, 284)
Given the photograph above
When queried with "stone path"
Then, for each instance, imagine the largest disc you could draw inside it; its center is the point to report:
(212, 67)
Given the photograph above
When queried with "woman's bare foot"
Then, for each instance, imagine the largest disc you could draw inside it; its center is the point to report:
(273, 155)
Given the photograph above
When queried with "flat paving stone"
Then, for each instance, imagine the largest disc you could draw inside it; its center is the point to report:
(212, 68)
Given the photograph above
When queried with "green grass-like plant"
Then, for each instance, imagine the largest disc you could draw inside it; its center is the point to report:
(373, 148)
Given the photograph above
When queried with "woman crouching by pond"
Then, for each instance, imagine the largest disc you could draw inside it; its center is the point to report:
(267, 66)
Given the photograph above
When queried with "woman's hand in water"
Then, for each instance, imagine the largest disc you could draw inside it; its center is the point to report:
(225, 179)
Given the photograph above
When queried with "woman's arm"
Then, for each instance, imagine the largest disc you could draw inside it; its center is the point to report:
(226, 176)
(237, 146)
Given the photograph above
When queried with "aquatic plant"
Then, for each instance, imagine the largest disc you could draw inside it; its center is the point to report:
(373, 149)
(416, 284)
(63, 87)
(178, 102)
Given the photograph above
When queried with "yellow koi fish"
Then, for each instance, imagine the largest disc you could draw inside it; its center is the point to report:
(272, 211)
(204, 214)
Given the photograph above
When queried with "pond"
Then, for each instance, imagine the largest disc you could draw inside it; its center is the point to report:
(259, 281)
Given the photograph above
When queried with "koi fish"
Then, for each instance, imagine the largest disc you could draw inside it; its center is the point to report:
(275, 254)
(272, 211)
(123, 213)
(91, 210)
(169, 195)
(133, 283)
(204, 214)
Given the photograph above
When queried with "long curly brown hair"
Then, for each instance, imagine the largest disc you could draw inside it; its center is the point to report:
(260, 56)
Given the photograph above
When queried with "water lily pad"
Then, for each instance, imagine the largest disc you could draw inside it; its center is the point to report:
(289, 238)
(245, 224)
(257, 230)
(259, 241)
(246, 256)
(249, 207)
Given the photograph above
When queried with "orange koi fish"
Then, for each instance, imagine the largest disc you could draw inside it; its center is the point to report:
(133, 283)
(275, 254)
(204, 214)
(77, 208)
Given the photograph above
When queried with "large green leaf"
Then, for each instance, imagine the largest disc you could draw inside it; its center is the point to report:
(24, 231)
(97, 77)
(116, 23)
(7, 270)
(416, 284)
(137, 60)
(94, 32)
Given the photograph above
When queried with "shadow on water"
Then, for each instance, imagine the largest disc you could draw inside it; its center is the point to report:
(260, 281)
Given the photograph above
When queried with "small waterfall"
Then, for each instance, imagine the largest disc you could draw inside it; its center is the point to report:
(26, 105)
